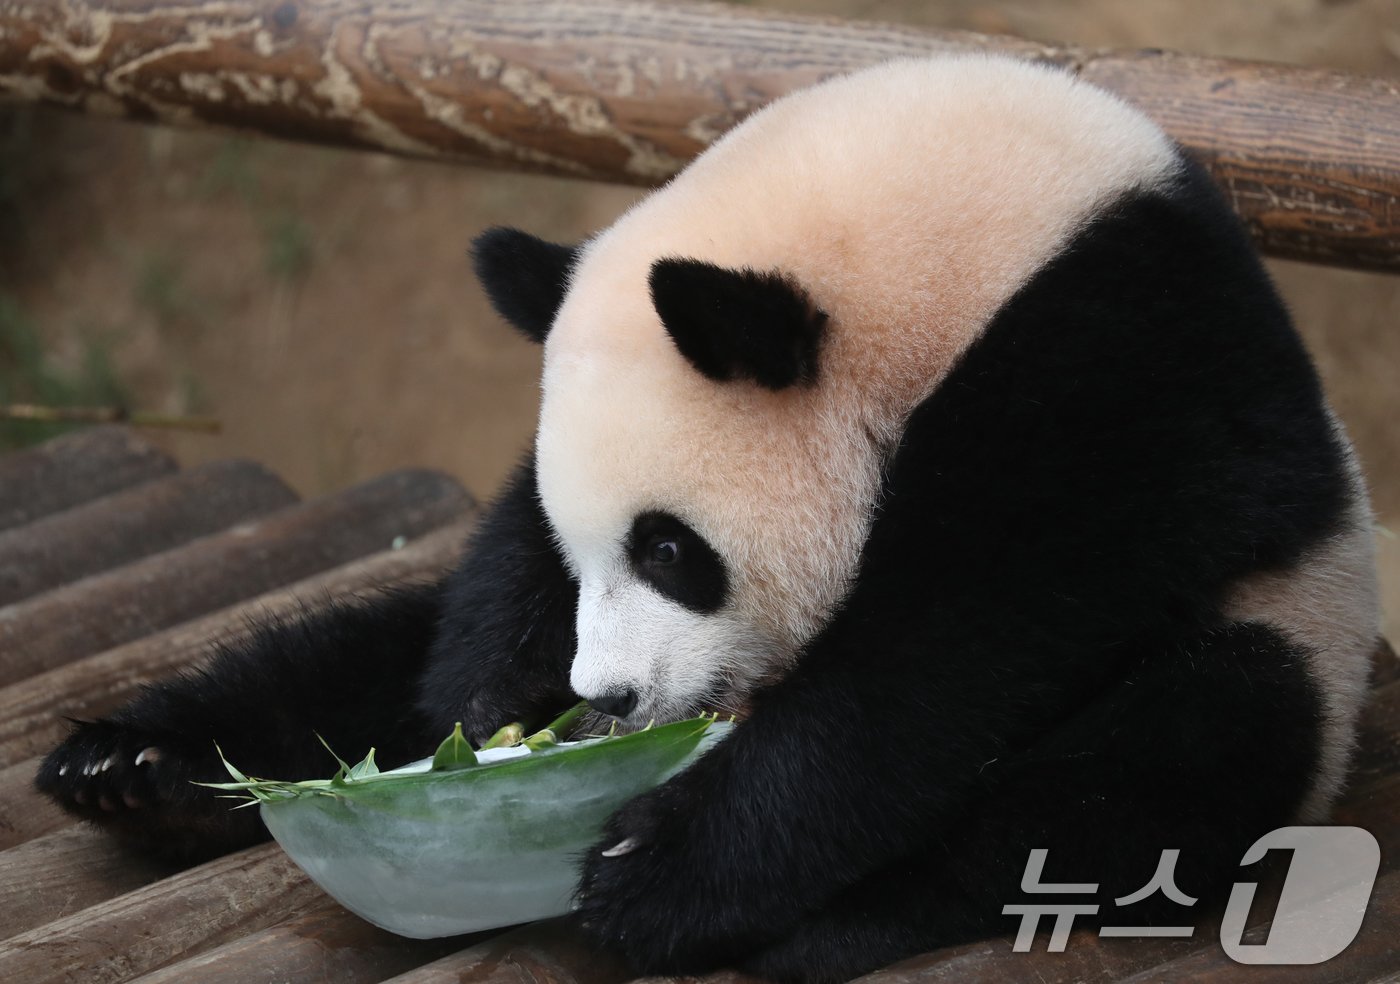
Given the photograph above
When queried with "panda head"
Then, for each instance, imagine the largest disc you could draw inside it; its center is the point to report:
(729, 366)
(679, 479)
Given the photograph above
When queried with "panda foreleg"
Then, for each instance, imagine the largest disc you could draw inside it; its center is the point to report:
(780, 816)
(346, 673)
(1201, 749)
(490, 643)
(506, 638)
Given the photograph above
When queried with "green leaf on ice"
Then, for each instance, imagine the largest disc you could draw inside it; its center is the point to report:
(454, 753)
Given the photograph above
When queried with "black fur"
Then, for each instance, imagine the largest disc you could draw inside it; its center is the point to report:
(348, 673)
(1032, 656)
(693, 573)
(739, 324)
(489, 645)
(525, 277)
(506, 639)
(1033, 652)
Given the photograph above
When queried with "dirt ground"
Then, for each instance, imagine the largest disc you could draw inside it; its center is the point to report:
(319, 302)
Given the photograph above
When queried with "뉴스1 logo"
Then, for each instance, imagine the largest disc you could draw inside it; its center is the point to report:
(1319, 911)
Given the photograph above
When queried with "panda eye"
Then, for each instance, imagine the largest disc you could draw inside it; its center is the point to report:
(665, 552)
(669, 556)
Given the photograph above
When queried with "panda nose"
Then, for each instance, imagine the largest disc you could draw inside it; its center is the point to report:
(619, 703)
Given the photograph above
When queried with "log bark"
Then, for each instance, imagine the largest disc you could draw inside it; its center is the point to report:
(629, 90)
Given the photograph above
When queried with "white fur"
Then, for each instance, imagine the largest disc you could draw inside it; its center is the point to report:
(910, 201)
(1328, 604)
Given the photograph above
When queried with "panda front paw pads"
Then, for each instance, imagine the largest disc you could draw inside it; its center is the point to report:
(103, 769)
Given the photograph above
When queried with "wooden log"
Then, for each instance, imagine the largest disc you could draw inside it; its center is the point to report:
(629, 90)
(74, 468)
(325, 944)
(549, 951)
(32, 713)
(24, 814)
(60, 873)
(1310, 158)
(152, 594)
(142, 930)
(135, 523)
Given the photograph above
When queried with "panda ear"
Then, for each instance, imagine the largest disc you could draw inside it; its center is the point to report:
(739, 324)
(525, 277)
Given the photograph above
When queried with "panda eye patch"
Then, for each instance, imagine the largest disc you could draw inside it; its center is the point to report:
(678, 562)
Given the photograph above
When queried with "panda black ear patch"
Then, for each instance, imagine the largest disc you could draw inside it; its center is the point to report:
(525, 277)
(739, 324)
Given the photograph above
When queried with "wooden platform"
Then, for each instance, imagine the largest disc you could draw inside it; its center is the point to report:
(117, 568)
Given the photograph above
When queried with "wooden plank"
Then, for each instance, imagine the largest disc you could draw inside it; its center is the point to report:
(33, 713)
(24, 813)
(630, 90)
(549, 951)
(75, 468)
(324, 944)
(62, 872)
(160, 591)
(142, 930)
(135, 523)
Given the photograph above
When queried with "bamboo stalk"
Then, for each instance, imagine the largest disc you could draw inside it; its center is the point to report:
(107, 415)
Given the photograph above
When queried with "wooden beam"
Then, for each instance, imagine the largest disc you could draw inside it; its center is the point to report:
(145, 596)
(74, 468)
(125, 526)
(175, 918)
(629, 90)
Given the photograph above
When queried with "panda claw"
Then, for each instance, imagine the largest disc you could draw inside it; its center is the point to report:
(106, 763)
(625, 846)
(151, 755)
(63, 769)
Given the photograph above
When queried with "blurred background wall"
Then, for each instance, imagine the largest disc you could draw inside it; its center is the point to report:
(319, 302)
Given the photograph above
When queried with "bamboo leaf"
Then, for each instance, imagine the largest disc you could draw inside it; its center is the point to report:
(364, 769)
(454, 753)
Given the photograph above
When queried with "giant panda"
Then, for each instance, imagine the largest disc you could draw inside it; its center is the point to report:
(940, 422)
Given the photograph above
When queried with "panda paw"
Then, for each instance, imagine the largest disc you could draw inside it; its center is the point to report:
(642, 892)
(103, 768)
(140, 786)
